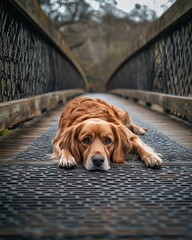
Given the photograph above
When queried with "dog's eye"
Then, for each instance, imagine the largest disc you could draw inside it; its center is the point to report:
(86, 141)
(107, 141)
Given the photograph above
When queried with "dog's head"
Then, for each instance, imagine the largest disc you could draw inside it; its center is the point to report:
(97, 143)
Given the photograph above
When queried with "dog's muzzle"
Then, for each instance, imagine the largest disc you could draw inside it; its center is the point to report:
(98, 160)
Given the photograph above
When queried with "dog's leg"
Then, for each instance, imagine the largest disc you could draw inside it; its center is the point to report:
(148, 156)
(126, 120)
(138, 130)
(66, 160)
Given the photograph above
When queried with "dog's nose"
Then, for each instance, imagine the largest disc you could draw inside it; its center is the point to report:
(97, 160)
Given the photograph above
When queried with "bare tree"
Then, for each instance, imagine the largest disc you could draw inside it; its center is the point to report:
(69, 12)
(142, 13)
(99, 38)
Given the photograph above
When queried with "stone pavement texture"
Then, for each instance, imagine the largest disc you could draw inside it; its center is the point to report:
(38, 200)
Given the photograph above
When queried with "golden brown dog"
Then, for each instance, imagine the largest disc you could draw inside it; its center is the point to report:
(92, 131)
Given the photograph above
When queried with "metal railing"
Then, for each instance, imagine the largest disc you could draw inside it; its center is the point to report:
(159, 64)
(37, 69)
(33, 57)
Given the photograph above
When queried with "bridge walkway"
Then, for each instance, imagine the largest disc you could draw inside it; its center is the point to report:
(38, 199)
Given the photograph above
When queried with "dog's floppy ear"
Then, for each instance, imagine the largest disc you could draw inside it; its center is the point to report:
(122, 143)
(69, 141)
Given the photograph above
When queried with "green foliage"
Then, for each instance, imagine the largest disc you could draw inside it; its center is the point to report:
(5, 132)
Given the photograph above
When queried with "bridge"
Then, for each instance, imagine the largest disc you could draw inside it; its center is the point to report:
(38, 76)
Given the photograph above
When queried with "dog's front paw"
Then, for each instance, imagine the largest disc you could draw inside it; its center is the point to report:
(153, 161)
(67, 162)
(138, 130)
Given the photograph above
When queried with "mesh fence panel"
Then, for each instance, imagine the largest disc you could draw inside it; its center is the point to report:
(29, 63)
(164, 65)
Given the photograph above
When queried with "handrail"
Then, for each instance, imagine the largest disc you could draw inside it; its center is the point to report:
(159, 63)
(179, 104)
(33, 13)
(14, 112)
(37, 69)
(171, 17)
(34, 58)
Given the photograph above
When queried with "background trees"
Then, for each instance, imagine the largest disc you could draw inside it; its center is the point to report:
(98, 37)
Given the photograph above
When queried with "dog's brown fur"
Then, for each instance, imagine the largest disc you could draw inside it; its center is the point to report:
(92, 130)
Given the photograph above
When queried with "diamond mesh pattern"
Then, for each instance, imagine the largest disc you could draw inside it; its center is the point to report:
(29, 64)
(164, 65)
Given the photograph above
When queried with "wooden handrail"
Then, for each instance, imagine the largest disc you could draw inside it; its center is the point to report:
(178, 104)
(17, 111)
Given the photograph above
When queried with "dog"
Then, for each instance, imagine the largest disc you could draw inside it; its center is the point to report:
(96, 133)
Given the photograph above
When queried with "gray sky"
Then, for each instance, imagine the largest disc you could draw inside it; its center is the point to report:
(128, 5)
